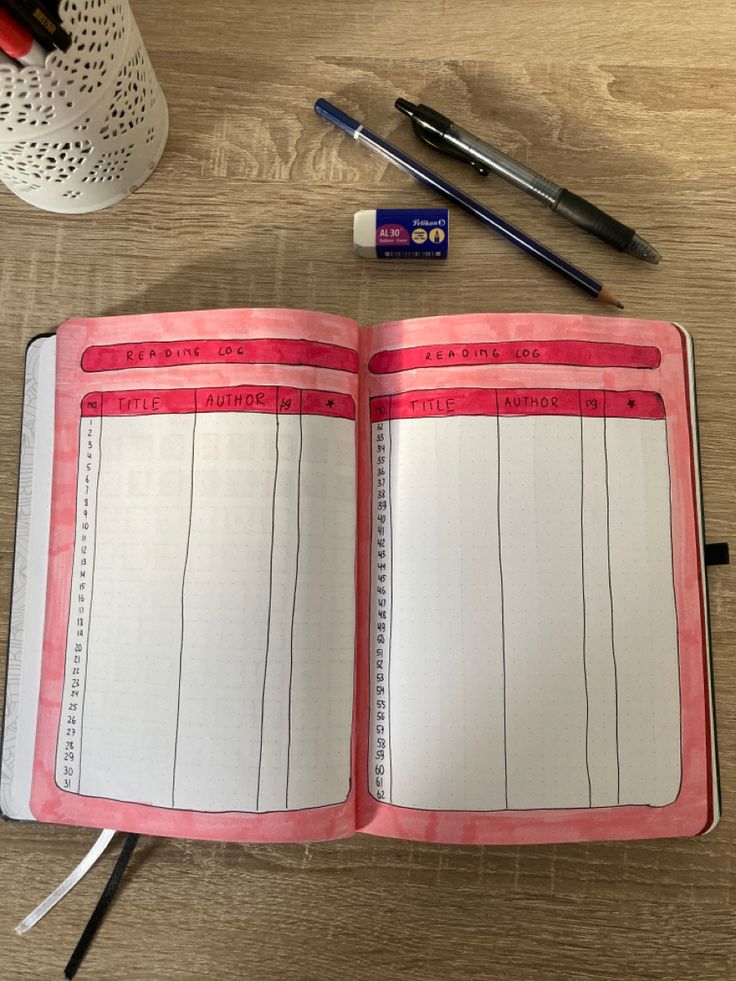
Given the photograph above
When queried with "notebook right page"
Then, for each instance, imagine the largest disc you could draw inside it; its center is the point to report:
(536, 662)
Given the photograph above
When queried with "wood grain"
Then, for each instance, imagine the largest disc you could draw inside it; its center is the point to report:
(629, 103)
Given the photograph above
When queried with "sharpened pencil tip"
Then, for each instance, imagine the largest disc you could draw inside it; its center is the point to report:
(606, 296)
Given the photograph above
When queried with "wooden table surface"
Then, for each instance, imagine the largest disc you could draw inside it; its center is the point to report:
(630, 103)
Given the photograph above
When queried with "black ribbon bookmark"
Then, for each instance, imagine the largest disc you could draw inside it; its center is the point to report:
(100, 909)
(716, 553)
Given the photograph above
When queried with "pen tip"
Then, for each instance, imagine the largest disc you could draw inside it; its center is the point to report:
(641, 249)
(403, 105)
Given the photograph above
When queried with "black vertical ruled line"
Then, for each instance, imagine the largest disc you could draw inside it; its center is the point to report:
(183, 584)
(270, 606)
(503, 614)
(674, 601)
(610, 597)
(293, 602)
(389, 459)
(89, 609)
(584, 611)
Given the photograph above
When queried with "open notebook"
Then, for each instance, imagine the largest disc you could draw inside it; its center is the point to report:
(281, 578)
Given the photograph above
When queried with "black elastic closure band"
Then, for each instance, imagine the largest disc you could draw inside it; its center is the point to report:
(100, 909)
(716, 553)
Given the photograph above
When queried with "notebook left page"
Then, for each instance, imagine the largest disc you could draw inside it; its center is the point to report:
(198, 663)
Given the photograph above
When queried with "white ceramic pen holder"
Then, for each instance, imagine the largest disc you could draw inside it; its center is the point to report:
(87, 128)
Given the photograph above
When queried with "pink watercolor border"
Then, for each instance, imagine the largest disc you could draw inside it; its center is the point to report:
(48, 802)
(690, 813)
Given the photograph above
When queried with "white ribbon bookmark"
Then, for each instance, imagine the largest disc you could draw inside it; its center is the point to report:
(71, 880)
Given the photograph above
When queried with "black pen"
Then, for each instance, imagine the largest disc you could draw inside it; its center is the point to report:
(442, 134)
(439, 185)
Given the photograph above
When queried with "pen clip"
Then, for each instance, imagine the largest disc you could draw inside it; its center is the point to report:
(437, 143)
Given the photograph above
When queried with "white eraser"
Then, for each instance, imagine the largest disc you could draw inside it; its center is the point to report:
(364, 233)
(402, 233)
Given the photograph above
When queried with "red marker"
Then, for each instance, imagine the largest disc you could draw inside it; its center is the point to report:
(17, 42)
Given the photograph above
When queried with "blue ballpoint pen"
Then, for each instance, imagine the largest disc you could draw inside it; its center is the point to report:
(438, 184)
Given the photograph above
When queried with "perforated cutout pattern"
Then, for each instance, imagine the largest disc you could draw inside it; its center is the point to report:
(132, 95)
(109, 166)
(44, 161)
(84, 130)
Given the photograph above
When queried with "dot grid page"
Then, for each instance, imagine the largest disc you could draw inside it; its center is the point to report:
(489, 705)
(526, 649)
(208, 668)
(208, 679)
